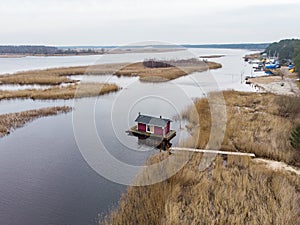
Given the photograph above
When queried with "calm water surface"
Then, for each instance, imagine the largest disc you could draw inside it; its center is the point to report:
(44, 178)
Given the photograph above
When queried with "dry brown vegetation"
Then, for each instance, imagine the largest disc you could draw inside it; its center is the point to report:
(211, 56)
(12, 121)
(166, 73)
(265, 79)
(231, 191)
(256, 123)
(59, 75)
(64, 92)
(252, 56)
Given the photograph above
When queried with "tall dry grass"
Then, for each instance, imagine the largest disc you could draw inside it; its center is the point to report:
(64, 92)
(256, 123)
(58, 75)
(232, 191)
(12, 121)
(177, 69)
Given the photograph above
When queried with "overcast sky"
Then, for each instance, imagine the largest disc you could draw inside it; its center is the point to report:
(121, 22)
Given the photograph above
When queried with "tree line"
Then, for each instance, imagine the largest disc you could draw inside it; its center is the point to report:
(288, 49)
(44, 50)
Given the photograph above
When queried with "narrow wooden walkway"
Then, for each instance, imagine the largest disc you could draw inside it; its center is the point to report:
(211, 151)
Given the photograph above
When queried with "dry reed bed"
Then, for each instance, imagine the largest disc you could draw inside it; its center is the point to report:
(211, 56)
(59, 75)
(256, 123)
(165, 74)
(65, 92)
(12, 121)
(231, 191)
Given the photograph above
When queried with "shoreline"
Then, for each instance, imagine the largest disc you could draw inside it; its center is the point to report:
(286, 84)
(106, 52)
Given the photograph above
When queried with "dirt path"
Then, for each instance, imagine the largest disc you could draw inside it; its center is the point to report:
(275, 165)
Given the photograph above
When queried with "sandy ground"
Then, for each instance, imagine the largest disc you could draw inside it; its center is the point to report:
(276, 84)
(275, 165)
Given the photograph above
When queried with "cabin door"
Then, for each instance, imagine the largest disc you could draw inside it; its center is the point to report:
(150, 128)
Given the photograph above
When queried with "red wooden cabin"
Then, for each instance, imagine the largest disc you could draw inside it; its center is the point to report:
(153, 125)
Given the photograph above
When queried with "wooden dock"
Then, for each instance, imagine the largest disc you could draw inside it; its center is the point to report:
(211, 151)
(167, 137)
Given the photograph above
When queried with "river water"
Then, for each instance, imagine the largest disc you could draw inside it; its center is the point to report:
(44, 178)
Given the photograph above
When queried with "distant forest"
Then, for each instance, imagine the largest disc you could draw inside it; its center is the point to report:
(48, 50)
(250, 46)
(43, 50)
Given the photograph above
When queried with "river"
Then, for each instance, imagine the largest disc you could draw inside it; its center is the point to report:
(44, 178)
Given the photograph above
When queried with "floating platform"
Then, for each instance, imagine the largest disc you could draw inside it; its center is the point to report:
(167, 137)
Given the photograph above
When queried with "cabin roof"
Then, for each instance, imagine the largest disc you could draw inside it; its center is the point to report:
(161, 122)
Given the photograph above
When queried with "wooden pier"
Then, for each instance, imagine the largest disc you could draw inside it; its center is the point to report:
(212, 151)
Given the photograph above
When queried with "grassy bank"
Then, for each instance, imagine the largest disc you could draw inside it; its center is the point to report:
(233, 189)
(11, 121)
(65, 92)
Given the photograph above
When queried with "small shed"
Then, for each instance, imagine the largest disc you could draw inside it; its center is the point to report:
(153, 125)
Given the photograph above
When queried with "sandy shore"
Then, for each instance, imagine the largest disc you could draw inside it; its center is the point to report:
(286, 85)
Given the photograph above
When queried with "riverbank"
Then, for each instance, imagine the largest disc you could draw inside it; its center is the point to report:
(11, 121)
(233, 189)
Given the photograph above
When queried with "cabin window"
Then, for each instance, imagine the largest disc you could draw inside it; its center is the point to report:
(148, 128)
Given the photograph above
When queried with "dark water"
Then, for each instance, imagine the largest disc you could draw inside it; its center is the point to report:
(44, 179)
